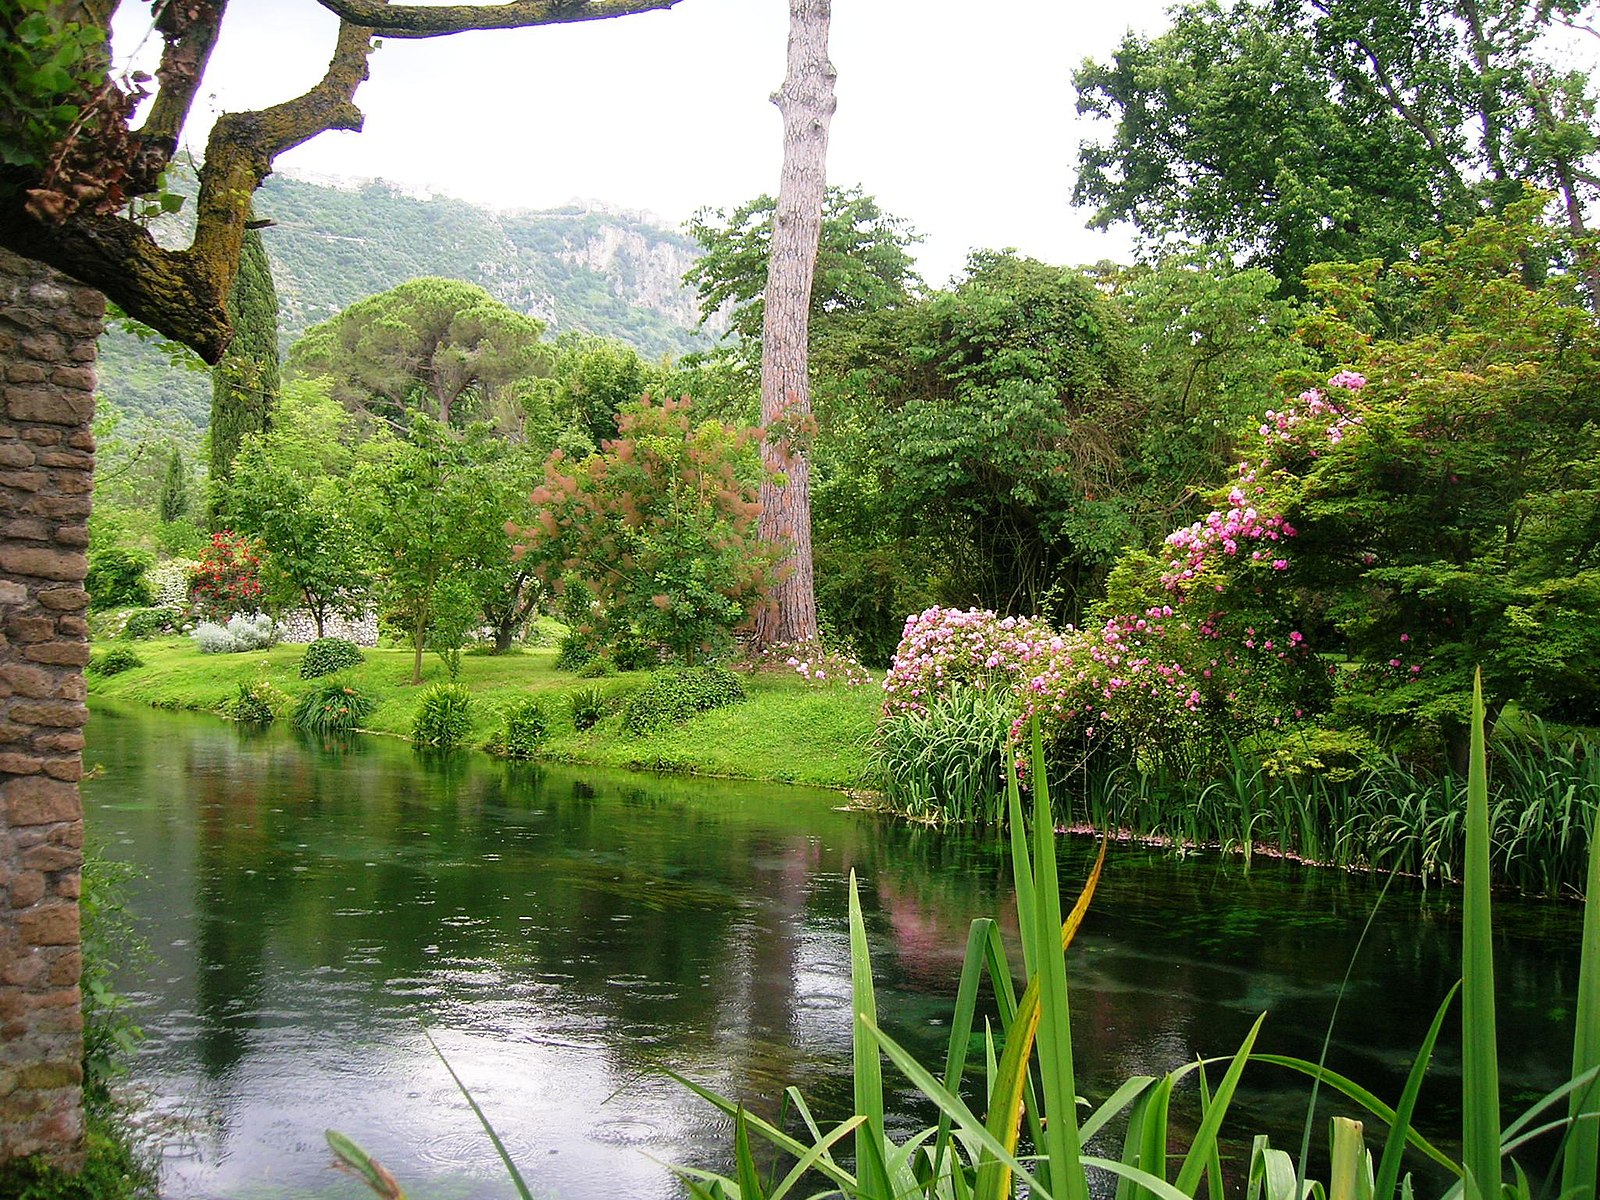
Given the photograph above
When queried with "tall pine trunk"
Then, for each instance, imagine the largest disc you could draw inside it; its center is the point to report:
(807, 103)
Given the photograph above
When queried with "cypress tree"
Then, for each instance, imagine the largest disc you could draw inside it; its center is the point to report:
(244, 385)
(174, 490)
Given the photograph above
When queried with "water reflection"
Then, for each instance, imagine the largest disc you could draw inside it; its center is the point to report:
(565, 933)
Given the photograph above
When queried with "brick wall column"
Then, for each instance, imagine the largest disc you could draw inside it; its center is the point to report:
(48, 327)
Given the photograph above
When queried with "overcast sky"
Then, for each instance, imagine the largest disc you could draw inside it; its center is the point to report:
(957, 116)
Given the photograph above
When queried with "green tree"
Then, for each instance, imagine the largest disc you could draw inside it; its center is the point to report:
(590, 380)
(174, 501)
(439, 346)
(422, 508)
(660, 526)
(1299, 132)
(1000, 420)
(283, 495)
(863, 260)
(245, 384)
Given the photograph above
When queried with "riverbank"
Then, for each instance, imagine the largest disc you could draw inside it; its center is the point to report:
(789, 730)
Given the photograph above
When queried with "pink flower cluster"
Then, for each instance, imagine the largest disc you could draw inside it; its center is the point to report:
(945, 646)
(817, 663)
(1224, 534)
(1221, 535)
(1330, 417)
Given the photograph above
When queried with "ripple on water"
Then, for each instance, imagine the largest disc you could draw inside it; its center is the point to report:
(624, 1131)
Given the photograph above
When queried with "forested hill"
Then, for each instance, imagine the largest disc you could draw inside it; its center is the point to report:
(574, 268)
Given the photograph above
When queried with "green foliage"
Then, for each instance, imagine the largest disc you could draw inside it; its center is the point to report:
(997, 422)
(431, 506)
(863, 260)
(440, 342)
(574, 652)
(118, 577)
(111, 945)
(49, 67)
(114, 661)
(145, 623)
(676, 695)
(444, 716)
(174, 501)
(245, 384)
(453, 618)
(328, 655)
(587, 706)
(946, 762)
(288, 492)
(526, 725)
(1457, 528)
(113, 1169)
(660, 527)
(257, 702)
(591, 379)
(598, 667)
(333, 707)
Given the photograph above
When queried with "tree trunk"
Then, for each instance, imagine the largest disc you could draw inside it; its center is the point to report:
(806, 102)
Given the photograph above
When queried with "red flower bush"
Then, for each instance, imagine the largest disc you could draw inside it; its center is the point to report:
(227, 579)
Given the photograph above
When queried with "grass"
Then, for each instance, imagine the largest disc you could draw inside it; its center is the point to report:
(788, 731)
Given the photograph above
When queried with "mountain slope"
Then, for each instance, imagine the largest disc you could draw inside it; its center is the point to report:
(576, 269)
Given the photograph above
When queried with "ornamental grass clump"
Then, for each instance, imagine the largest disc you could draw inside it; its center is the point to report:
(332, 707)
(525, 727)
(444, 717)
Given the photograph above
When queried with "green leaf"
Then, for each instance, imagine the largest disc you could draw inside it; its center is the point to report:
(1480, 1071)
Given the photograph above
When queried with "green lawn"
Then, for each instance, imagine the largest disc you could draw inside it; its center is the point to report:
(788, 730)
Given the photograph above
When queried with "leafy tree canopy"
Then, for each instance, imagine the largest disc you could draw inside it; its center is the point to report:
(863, 260)
(1297, 132)
(436, 345)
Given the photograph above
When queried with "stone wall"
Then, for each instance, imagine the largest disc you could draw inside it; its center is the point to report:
(48, 326)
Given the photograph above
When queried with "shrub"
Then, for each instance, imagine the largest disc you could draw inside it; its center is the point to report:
(327, 655)
(114, 661)
(170, 580)
(227, 578)
(257, 631)
(117, 578)
(597, 667)
(587, 706)
(151, 622)
(258, 702)
(575, 650)
(526, 727)
(677, 695)
(445, 717)
(332, 707)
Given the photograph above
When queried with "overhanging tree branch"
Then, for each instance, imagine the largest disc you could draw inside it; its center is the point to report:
(423, 21)
(183, 293)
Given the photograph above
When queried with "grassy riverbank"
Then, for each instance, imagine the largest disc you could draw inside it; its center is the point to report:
(788, 731)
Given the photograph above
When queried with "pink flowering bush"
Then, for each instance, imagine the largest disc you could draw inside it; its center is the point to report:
(1199, 655)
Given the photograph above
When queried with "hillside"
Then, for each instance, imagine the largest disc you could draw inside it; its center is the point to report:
(582, 269)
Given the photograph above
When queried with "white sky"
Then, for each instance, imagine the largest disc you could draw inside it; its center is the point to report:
(958, 116)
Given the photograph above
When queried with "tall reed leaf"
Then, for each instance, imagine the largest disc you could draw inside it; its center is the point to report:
(871, 1176)
(1480, 1072)
(1060, 1147)
(1580, 1168)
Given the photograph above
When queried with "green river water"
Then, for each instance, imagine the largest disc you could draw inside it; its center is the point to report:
(566, 932)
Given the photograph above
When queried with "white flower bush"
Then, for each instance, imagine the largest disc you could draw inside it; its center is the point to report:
(253, 631)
